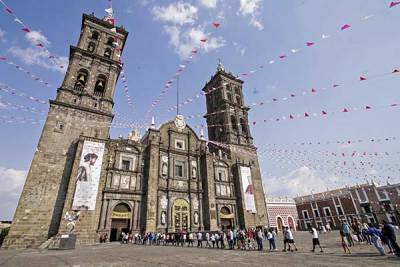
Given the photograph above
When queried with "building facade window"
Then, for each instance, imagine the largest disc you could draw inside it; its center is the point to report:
(305, 214)
(179, 144)
(327, 211)
(180, 169)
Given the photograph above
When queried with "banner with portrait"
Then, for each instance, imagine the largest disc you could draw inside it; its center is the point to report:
(88, 176)
(248, 188)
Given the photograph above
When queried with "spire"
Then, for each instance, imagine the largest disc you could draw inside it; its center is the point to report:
(153, 124)
(202, 134)
(220, 67)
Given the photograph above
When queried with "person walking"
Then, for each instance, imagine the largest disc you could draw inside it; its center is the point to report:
(190, 239)
(347, 232)
(271, 237)
(390, 235)
(199, 239)
(259, 239)
(344, 242)
(208, 240)
(375, 235)
(315, 239)
(213, 240)
(290, 240)
(230, 239)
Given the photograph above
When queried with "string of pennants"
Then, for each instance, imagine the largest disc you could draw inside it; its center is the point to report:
(312, 43)
(125, 86)
(11, 91)
(322, 113)
(282, 57)
(179, 71)
(337, 142)
(30, 74)
(313, 91)
(26, 29)
(9, 105)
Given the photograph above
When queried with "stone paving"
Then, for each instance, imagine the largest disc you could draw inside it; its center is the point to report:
(115, 254)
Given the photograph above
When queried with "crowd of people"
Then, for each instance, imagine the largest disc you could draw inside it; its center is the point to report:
(350, 234)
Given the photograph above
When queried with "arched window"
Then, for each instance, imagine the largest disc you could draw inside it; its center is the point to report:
(237, 90)
(229, 95)
(243, 126)
(110, 41)
(91, 47)
(81, 80)
(225, 211)
(238, 100)
(234, 123)
(100, 86)
(95, 35)
(107, 53)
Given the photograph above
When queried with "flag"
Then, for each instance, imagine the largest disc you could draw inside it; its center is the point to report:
(18, 21)
(282, 56)
(9, 10)
(345, 26)
(362, 78)
(109, 11)
(3, 58)
(295, 50)
(216, 24)
(395, 71)
(306, 114)
(324, 113)
(203, 40)
(324, 36)
(394, 3)
(291, 117)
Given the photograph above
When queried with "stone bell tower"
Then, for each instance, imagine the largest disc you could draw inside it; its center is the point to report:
(83, 106)
(227, 121)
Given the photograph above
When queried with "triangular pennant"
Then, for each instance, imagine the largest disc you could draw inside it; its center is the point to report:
(310, 43)
(18, 21)
(345, 110)
(394, 3)
(336, 85)
(324, 113)
(216, 24)
(25, 30)
(395, 71)
(203, 40)
(324, 36)
(291, 117)
(9, 10)
(313, 90)
(362, 78)
(367, 107)
(282, 56)
(345, 26)
(306, 114)
(292, 95)
(3, 58)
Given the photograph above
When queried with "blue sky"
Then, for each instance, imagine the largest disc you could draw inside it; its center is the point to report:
(252, 33)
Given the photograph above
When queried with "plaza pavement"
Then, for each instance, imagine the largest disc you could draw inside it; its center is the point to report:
(116, 254)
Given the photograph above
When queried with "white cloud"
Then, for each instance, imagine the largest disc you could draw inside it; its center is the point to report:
(36, 37)
(301, 181)
(184, 42)
(251, 8)
(38, 56)
(177, 13)
(2, 34)
(209, 3)
(11, 181)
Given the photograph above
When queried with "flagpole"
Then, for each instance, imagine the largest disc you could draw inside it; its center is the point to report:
(177, 96)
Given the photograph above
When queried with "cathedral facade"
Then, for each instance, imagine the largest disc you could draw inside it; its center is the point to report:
(169, 180)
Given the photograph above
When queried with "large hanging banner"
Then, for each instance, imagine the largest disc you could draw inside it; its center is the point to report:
(247, 182)
(88, 176)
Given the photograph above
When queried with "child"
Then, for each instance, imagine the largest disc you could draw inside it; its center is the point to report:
(315, 239)
(344, 243)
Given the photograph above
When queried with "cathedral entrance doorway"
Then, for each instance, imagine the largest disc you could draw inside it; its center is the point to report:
(180, 213)
(226, 218)
(120, 221)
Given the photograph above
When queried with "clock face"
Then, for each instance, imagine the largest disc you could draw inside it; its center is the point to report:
(180, 122)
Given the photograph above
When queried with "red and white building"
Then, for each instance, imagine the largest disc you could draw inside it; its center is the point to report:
(282, 212)
(367, 202)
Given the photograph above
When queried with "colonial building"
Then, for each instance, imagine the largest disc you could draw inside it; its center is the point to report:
(282, 212)
(169, 180)
(367, 202)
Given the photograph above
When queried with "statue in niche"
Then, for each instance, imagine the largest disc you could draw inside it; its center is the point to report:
(196, 217)
(194, 172)
(163, 217)
(164, 169)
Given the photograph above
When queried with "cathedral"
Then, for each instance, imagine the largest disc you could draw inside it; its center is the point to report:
(169, 180)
